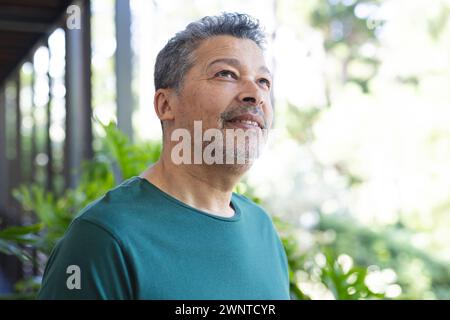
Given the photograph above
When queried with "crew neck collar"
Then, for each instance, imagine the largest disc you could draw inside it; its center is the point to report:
(235, 217)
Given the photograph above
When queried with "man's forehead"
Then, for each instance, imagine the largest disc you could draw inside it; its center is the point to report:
(230, 50)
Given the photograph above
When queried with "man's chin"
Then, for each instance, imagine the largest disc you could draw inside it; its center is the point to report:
(235, 168)
(242, 158)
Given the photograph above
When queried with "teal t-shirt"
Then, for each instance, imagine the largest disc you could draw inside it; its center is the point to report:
(138, 242)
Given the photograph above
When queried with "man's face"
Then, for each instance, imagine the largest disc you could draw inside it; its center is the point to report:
(228, 87)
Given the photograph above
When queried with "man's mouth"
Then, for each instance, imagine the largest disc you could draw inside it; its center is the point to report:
(246, 121)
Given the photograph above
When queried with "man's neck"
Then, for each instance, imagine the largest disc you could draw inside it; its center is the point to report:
(207, 188)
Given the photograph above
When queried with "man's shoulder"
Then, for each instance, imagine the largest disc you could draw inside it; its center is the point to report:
(249, 205)
(118, 207)
(115, 196)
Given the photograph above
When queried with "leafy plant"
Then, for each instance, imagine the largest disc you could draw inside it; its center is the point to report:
(341, 281)
(117, 160)
(12, 237)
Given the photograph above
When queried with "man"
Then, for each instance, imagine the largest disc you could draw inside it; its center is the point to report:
(178, 231)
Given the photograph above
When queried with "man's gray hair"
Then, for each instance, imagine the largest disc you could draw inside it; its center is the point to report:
(176, 58)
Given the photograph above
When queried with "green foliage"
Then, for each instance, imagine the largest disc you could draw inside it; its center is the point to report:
(129, 158)
(345, 33)
(390, 247)
(54, 213)
(343, 282)
(300, 122)
(12, 237)
(294, 258)
(437, 24)
(341, 24)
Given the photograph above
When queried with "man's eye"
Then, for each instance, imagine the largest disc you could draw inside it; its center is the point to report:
(265, 81)
(226, 74)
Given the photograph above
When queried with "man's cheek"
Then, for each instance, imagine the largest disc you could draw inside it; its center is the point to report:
(210, 116)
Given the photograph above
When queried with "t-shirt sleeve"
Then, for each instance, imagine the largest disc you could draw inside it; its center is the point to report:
(88, 263)
(283, 255)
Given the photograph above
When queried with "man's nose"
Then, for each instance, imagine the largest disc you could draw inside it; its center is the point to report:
(251, 94)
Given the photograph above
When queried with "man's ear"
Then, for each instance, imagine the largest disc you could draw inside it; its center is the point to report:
(164, 103)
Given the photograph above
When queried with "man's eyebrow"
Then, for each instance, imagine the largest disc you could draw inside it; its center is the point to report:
(235, 63)
(231, 61)
(265, 69)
